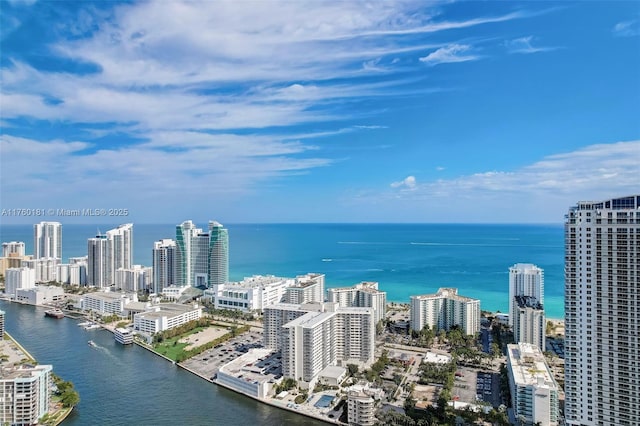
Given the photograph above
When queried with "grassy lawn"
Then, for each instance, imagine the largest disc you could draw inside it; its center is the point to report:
(171, 348)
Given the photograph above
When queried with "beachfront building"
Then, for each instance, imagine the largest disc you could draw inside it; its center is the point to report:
(529, 325)
(18, 278)
(45, 268)
(15, 248)
(602, 310)
(165, 316)
(534, 392)
(525, 279)
(133, 279)
(362, 295)
(24, 394)
(40, 295)
(47, 240)
(107, 303)
(444, 310)
(107, 253)
(307, 288)
(202, 258)
(164, 264)
(251, 294)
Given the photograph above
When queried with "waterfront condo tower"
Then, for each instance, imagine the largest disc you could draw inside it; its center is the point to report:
(602, 312)
(108, 253)
(202, 258)
(164, 264)
(47, 240)
(525, 279)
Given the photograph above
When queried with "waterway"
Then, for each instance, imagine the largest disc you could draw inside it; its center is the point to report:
(127, 385)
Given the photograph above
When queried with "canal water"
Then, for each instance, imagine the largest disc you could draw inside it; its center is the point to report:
(127, 385)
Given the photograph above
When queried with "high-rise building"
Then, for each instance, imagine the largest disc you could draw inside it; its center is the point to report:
(602, 312)
(362, 295)
(529, 324)
(525, 279)
(202, 258)
(17, 278)
(45, 268)
(445, 309)
(47, 240)
(218, 254)
(108, 253)
(164, 265)
(15, 248)
(534, 391)
(98, 262)
(307, 288)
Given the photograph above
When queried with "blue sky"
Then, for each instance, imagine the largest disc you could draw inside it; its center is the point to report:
(271, 111)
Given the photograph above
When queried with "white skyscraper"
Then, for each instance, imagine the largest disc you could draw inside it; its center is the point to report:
(602, 312)
(443, 310)
(17, 278)
(164, 264)
(525, 279)
(363, 295)
(47, 240)
(107, 253)
(529, 324)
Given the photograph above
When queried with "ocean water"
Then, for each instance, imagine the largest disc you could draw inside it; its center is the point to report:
(405, 259)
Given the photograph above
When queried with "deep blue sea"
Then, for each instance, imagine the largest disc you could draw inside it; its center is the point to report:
(406, 259)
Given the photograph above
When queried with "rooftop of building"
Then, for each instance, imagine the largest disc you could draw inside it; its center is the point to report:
(108, 296)
(365, 286)
(448, 293)
(256, 366)
(169, 310)
(24, 371)
(529, 366)
(309, 320)
(258, 281)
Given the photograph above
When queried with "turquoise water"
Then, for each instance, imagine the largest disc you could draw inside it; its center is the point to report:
(406, 259)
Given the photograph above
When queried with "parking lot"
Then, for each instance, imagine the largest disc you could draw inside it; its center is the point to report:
(472, 385)
(488, 388)
(209, 362)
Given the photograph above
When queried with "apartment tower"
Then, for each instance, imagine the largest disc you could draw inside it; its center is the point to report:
(47, 240)
(602, 312)
(525, 279)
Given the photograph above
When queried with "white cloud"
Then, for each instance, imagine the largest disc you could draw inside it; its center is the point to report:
(524, 45)
(450, 54)
(627, 28)
(407, 183)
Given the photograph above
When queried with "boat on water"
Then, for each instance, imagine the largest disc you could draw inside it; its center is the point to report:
(54, 313)
(92, 326)
(92, 343)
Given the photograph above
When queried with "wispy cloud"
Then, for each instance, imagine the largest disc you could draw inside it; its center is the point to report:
(524, 45)
(627, 28)
(408, 183)
(451, 53)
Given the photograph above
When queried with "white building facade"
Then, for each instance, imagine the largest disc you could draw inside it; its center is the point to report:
(47, 240)
(24, 394)
(15, 248)
(445, 309)
(529, 324)
(534, 392)
(133, 279)
(165, 316)
(107, 303)
(362, 295)
(602, 312)
(525, 279)
(18, 278)
(164, 264)
(307, 288)
(45, 268)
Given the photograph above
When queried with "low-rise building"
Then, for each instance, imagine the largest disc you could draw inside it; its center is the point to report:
(173, 292)
(24, 394)
(40, 295)
(534, 391)
(124, 336)
(165, 316)
(107, 302)
(253, 373)
(444, 310)
(251, 294)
